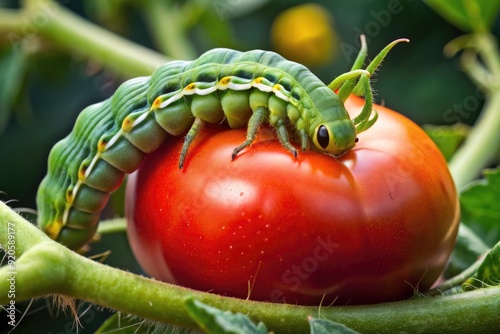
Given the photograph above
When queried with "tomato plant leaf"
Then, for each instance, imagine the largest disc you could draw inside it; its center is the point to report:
(467, 15)
(488, 272)
(215, 321)
(468, 249)
(479, 206)
(447, 138)
(324, 326)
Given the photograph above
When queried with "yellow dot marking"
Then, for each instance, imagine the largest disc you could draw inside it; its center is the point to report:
(191, 86)
(258, 80)
(225, 80)
(156, 103)
(101, 146)
(69, 195)
(82, 171)
(277, 87)
(53, 228)
(128, 124)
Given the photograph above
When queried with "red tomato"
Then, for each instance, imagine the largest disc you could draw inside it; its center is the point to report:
(372, 226)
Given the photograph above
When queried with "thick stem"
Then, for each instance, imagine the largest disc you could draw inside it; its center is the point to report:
(487, 47)
(47, 18)
(12, 227)
(58, 270)
(165, 303)
(481, 146)
(483, 143)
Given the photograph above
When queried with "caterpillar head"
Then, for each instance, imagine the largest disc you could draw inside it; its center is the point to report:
(335, 137)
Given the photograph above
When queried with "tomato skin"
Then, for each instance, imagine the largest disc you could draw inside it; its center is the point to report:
(368, 227)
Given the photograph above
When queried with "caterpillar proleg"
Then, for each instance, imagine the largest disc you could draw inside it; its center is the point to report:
(111, 138)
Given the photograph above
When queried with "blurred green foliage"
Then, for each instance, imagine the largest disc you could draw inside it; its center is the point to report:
(476, 16)
(43, 87)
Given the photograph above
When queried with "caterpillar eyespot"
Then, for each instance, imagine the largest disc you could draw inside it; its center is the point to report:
(111, 138)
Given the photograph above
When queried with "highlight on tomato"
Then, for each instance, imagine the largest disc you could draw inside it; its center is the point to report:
(374, 225)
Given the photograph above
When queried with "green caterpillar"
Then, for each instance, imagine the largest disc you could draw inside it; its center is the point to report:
(111, 138)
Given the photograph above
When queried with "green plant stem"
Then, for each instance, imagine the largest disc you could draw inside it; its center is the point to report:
(456, 280)
(483, 143)
(112, 226)
(10, 22)
(486, 46)
(58, 270)
(52, 21)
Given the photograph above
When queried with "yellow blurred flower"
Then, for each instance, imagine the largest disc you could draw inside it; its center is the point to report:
(305, 34)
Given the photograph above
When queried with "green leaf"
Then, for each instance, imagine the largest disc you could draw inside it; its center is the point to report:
(324, 326)
(468, 249)
(479, 203)
(488, 273)
(215, 321)
(447, 138)
(467, 15)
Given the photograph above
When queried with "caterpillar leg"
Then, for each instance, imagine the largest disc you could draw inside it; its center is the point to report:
(188, 140)
(259, 115)
(282, 132)
(304, 140)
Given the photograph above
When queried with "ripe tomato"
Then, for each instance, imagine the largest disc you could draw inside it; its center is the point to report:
(372, 226)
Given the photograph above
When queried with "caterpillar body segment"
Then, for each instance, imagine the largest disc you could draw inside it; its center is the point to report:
(111, 138)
